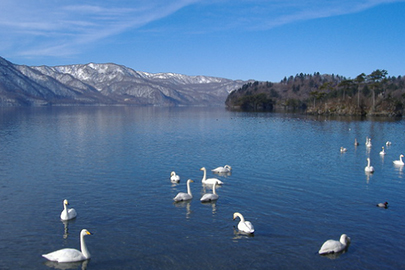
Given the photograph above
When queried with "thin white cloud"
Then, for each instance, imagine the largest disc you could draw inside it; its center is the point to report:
(64, 29)
(60, 28)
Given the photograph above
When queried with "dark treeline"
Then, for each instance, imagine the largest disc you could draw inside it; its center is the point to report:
(372, 94)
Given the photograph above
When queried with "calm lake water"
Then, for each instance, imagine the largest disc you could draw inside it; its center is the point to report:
(113, 164)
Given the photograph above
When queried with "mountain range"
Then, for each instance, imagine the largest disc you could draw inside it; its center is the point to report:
(107, 84)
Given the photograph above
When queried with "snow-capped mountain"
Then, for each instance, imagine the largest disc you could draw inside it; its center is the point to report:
(107, 84)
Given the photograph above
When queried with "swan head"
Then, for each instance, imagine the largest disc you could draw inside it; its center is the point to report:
(65, 202)
(344, 239)
(236, 214)
(189, 181)
(172, 173)
(85, 232)
(202, 169)
(401, 155)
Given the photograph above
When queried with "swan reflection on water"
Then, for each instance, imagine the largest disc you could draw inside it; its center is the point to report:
(184, 204)
(224, 174)
(71, 265)
(368, 176)
(241, 235)
(66, 227)
(399, 169)
(213, 206)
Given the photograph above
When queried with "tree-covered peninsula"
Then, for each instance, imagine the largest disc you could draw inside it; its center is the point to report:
(372, 94)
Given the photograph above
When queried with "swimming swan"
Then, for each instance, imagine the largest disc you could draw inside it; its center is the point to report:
(208, 197)
(342, 149)
(334, 246)
(399, 162)
(209, 181)
(356, 143)
(174, 177)
(71, 254)
(243, 226)
(368, 143)
(181, 196)
(382, 153)
(369, 168)
(67, 213)
(225, 169)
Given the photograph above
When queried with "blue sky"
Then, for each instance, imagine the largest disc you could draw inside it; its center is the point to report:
(249, 39)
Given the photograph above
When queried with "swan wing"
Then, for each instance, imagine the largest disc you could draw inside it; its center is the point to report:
(65, 255)
(211, 181)
(219, 169)
(331, 246)
(72, 213)
(175, 178)
(246, 227)
(182, 196)
(209, 197)
(68, 214)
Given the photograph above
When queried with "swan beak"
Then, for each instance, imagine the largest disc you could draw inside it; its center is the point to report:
(89, 233)
(201, 169)
(191, 181)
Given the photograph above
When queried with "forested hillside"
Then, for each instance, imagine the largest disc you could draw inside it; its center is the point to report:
(373, 94)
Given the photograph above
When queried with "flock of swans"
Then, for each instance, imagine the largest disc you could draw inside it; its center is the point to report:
(369, 168)
(244, 226)
(330, 246)
(70, 255)
(335, 246)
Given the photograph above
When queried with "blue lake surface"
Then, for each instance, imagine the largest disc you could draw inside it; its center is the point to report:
(113, 164)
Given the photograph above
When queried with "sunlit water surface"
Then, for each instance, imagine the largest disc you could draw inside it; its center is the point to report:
(113, 165)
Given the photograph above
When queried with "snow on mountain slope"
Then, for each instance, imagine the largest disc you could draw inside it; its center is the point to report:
(116, 84)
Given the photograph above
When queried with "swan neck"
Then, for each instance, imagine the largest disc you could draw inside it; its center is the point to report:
(188, 188)
(205, 174)
(213, 188)
(242, 219)
(83, 247)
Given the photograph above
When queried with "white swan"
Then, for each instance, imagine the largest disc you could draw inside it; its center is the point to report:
(356, 143)
(67, 213)
(368, 143)
(174, 177)
(382, 153)
(243, 225)
(342, 149)
(388, 143)
(369, 168)
(181, 196)
(209, 181)
(334, 246)
(225, 169)
(383, 205)
(71, 254)
(399, 162)
(208, 197)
